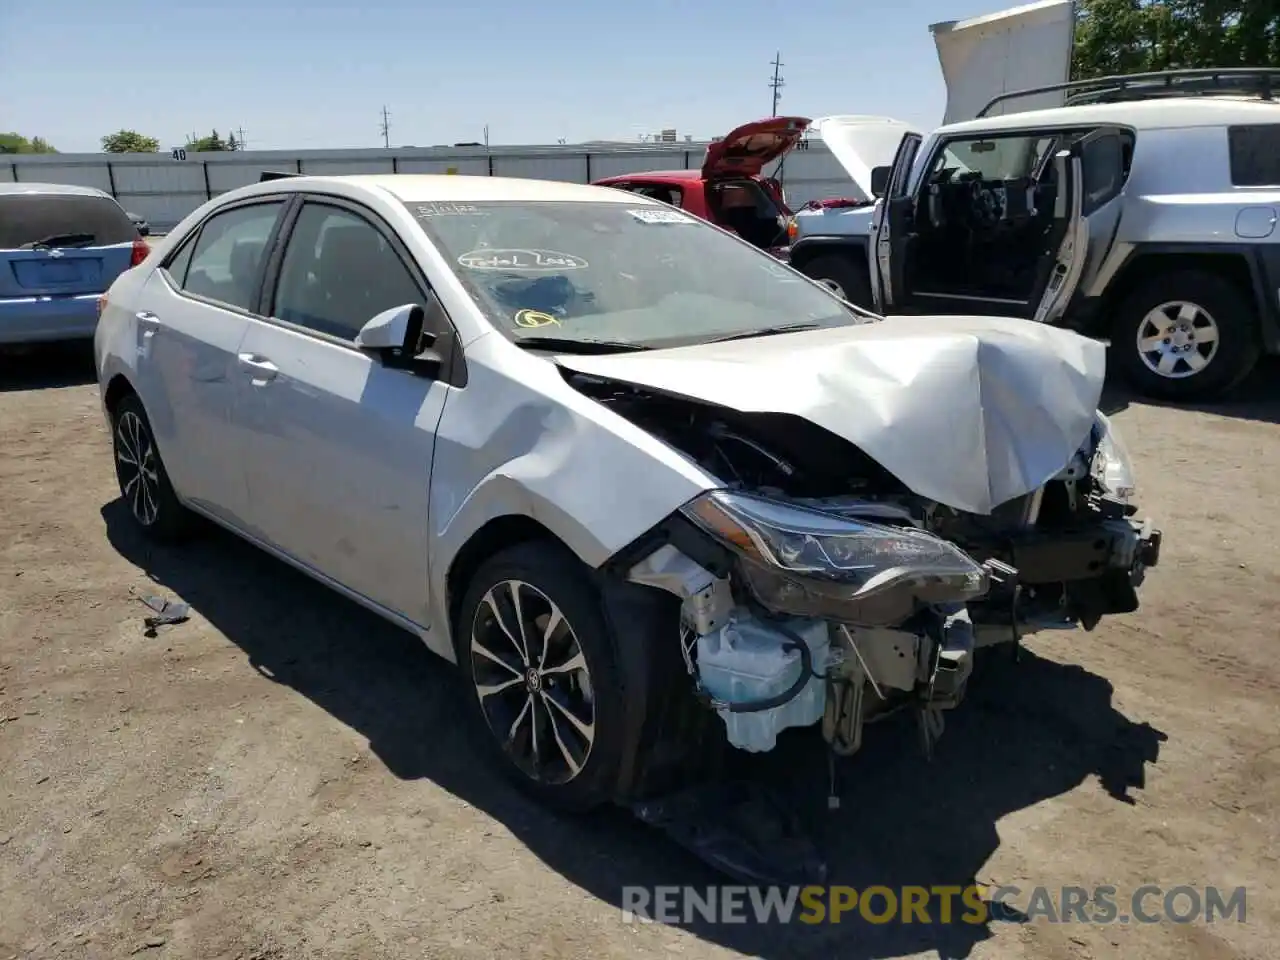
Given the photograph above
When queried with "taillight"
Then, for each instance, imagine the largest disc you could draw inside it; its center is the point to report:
(102, 305)
(140, 252)
(792, 229)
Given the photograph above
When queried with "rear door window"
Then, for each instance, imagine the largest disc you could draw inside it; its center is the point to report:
(228, 256)
(30, 218)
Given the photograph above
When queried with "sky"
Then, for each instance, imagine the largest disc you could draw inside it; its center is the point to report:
(317, 75)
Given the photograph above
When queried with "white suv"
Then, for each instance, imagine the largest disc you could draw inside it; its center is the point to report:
(1146, 214)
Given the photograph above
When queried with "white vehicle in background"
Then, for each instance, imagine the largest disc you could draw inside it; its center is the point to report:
(1144, 211)
(648, 508)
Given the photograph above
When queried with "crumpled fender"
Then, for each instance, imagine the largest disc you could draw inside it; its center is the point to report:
(519, 441)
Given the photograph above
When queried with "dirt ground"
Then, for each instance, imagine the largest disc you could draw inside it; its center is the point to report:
(280, 776)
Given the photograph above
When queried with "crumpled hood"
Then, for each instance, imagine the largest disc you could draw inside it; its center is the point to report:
(968, 411)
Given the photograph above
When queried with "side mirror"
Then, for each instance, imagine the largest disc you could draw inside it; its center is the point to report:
(396, 338)
(880, 181)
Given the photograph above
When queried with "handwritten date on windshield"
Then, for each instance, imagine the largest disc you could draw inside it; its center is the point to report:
(520, 260)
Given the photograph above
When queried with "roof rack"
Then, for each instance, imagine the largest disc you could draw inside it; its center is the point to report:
(1258, 82)
(268, 175)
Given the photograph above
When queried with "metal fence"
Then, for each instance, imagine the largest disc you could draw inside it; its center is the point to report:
(164, 188)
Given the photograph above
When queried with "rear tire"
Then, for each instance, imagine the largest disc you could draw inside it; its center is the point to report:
(1185, 336)
(545, 687)
(140, 472)
(843, 276)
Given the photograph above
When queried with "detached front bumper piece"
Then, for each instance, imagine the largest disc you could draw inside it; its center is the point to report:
(1081, 554)
(1084, 573)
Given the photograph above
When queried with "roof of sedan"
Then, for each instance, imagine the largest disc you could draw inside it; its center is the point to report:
(413, 187)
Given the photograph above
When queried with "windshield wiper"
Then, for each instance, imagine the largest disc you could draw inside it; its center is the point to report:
(61, 240)
(571, 345)
(766, 332)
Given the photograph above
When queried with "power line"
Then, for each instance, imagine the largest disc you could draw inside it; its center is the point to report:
(386, 127)
(777, 83)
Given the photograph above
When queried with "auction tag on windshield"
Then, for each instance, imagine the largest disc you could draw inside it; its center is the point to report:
(660, 216)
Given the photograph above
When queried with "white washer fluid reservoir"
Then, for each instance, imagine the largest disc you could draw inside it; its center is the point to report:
(748, 660)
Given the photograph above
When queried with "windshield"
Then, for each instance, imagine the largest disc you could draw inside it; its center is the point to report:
(636, 274)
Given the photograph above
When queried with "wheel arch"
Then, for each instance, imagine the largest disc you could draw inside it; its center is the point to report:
(807, 249)
(1237, 264)
(492, 537)
(118, 387)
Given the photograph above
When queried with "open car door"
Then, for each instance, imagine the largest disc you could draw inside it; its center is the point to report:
(891, 228)
(1091, 175)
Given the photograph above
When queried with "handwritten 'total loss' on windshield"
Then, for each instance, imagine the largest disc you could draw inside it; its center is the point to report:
(429, 210)
(532, 260)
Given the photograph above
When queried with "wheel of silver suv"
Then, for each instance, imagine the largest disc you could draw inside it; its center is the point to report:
(1185, 336)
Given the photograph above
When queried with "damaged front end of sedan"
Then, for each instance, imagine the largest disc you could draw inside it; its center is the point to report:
(818, 590)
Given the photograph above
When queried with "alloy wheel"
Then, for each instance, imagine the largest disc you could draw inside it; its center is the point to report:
(532, 681)
(1177, 339)
(137, 468)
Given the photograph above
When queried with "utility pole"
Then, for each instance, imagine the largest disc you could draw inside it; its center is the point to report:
(486, 136)
(777, 83)
(386, 127)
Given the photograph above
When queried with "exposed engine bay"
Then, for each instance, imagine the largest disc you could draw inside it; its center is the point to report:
(818, 590)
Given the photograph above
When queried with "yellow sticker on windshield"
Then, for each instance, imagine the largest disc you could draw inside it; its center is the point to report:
(535, 318)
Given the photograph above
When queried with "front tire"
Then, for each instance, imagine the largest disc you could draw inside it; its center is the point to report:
(545, 690)
(842, 276)
(1186, 336)
(144, 482)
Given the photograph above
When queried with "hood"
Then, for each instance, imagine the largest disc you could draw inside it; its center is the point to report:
(861, 144)
(968, 411)
(746, 151)
(1016, 49)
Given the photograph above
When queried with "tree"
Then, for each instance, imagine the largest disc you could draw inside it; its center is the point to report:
(210, 144)
(1126, 36)
(129, 141)
(16, 143)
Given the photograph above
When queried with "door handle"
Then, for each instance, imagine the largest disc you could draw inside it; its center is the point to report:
(263, 369)
(147, 320)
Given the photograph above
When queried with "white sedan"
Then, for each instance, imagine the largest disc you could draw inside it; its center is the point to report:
(653, 491)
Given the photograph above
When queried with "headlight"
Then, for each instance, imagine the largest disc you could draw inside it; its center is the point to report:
(1112, 467)
(811, 564)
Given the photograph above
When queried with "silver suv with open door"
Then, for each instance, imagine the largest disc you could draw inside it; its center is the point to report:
(1143, 211)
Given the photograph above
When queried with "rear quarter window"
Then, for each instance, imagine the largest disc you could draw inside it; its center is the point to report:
(31, 217)
(1255, 155)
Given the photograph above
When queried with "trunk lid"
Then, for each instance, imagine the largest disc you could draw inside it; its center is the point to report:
(61, 271)
(748, 149)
